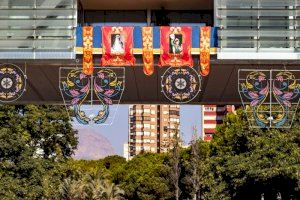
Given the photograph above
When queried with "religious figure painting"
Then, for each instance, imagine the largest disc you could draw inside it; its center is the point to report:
(175, 43)
(117, 44)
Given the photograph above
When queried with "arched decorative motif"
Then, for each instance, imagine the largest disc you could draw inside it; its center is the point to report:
(12, 83)
(91, 96)
(181, 85)
(270, 97)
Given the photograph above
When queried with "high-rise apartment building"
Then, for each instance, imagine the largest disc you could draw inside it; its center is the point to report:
(212, 115)
(152, 128)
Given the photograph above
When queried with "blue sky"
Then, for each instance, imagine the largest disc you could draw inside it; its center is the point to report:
(117, 132)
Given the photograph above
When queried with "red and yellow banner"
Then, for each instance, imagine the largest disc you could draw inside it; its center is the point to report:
(148, 58)
(117, 45)
(88, 65)
(175, 46)
(205, 33)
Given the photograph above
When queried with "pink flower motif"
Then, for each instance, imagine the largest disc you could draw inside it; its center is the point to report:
(254, 103)
(75, 101)
(261, 78)
(277, 91)
(108, 101)
(279, 78)
(101, 75)
(287, 103)
(85, 89)
(82, 75)
(264, 91)
(287, 95)
(109, 92)
(74, 93)
(98, 88)
(253, 95)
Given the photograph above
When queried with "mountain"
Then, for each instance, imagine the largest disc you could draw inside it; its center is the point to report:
(92, 145)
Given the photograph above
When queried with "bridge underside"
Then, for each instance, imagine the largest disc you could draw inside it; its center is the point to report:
(220, 87)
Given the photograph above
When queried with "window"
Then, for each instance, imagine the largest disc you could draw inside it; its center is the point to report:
(38, 29)
(165, 112)
(139, 125)
(146, 110)
(174, 112)
(139, 133)
(147, 133)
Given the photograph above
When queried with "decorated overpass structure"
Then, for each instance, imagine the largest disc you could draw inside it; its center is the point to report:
(152, 52)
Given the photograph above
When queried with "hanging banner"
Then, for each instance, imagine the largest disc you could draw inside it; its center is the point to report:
(117, 46)
(88, 65)
(175, 46)
(148, 59)
(205, 33)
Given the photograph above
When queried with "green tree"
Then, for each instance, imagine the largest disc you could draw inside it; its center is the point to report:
(106, 190)
(31, 138)
(175, 163)
(196, 169)
(253, 162)
(146, 177)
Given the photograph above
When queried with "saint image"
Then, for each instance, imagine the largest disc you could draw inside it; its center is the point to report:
(175, 43)
(117, 44)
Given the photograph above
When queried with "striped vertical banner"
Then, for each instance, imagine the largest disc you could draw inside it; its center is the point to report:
(88, 65)
(205, 33)
(148, 59)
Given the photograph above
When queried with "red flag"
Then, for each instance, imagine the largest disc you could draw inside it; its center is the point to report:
(117, 46)
(88, 65)
(205, 50)
(148, 58)
(175, 46)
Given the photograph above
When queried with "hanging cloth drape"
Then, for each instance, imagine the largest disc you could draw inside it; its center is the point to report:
(117, 45)
(88, 65)
(148, 59)
(175, 46)
(205, 33)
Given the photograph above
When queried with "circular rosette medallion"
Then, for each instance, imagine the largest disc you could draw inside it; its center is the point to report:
(12, 82)
(181, 85)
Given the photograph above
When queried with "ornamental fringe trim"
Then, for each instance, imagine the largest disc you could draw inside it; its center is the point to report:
(148, 59)
(205, 33)
(88, 65)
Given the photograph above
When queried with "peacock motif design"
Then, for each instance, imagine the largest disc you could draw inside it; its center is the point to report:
(107, 86)
(77, 87)
(103, 88)
(286, 90)
(270, 100)
(256, 89)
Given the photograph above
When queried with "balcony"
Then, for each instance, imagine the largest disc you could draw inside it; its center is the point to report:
(260, 29)
(37, 29)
